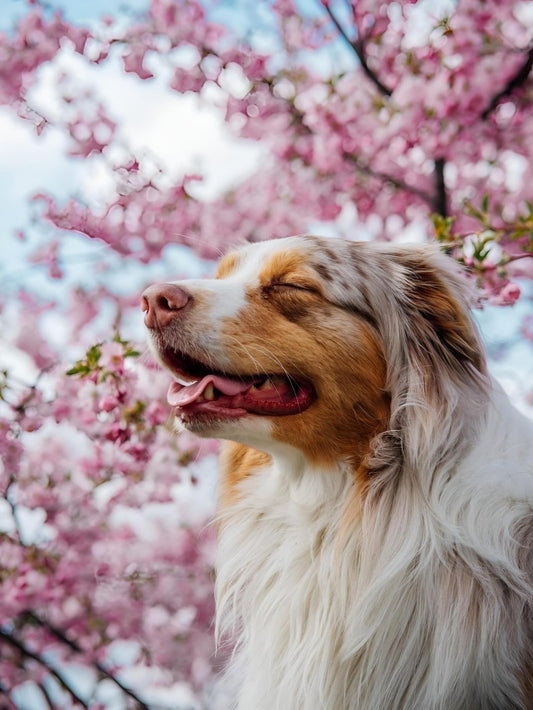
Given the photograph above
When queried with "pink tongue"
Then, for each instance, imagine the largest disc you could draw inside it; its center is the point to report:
(178, 395)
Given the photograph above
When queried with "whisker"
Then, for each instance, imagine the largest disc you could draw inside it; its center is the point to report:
(254, 360)
(198, 240)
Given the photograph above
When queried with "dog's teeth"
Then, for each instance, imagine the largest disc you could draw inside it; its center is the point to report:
(266, 385)
(209, 392)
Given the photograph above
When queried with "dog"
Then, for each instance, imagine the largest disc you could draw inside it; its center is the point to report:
(376, 499)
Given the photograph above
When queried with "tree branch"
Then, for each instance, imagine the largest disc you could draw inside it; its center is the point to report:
(391, 180)
(514, 82)
(358, 47)
(441, 200)
(46, 696)
(60, 636)
(27, 653)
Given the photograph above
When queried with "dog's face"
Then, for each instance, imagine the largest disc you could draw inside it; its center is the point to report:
(290, 343)
(263, 353)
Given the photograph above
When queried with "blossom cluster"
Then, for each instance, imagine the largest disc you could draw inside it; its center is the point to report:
(432, 122)
(95, 549)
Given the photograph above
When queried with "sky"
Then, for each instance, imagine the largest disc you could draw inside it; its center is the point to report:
(79, 11)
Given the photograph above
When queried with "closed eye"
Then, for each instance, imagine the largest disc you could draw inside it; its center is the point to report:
(282, 285)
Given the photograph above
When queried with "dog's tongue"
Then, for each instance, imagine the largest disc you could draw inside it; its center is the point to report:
(179, 395)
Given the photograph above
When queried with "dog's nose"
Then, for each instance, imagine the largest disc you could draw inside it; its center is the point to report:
(162, 303)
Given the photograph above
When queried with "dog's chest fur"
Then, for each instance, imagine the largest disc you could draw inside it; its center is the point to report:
(327, 616)
(281, 566)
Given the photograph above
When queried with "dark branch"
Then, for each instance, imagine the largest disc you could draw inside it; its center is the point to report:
(46, 696)
(358, 47)
(27, 653)
(60, 636)
(441, 201)
(391, 180)
(514, 83)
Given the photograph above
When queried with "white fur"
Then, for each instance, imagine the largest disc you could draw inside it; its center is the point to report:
(359, 622)
(226, 298)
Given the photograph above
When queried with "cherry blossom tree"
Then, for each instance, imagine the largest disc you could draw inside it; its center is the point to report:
(371, 118)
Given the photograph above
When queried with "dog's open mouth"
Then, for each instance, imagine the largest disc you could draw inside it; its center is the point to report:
(200, 389)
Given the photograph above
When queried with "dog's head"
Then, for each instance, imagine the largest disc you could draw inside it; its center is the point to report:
(324, 345)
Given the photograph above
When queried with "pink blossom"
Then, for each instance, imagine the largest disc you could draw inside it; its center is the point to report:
(156, 414)
(112, 357)
(108, 403)
(508, 295)
(90, 135)
(49, 255)
(134, 62)
(187, 79)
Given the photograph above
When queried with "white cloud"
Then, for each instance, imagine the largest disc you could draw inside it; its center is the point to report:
(183, 133)
(29, 163)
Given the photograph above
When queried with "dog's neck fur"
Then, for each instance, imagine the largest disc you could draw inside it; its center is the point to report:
(385, 615)
(278, 585)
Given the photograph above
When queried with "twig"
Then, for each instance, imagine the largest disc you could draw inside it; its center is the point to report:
(517, 257)
(46, 696)
(514, 82)
(60, 635)
(395, 182)
(19, 408)
(441, 201)
(27, 653)
(358, 47)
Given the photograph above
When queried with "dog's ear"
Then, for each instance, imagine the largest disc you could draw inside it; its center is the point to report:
(439, 329)
(436, 371)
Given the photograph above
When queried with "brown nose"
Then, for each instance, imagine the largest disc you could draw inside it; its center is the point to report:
(162, 303)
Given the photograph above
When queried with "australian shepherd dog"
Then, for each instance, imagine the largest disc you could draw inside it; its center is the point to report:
(376, 493)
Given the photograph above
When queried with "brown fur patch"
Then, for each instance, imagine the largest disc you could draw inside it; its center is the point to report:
(332, 255)
(288, 267)
(236, 463)
(227, 265)
(323, 271)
